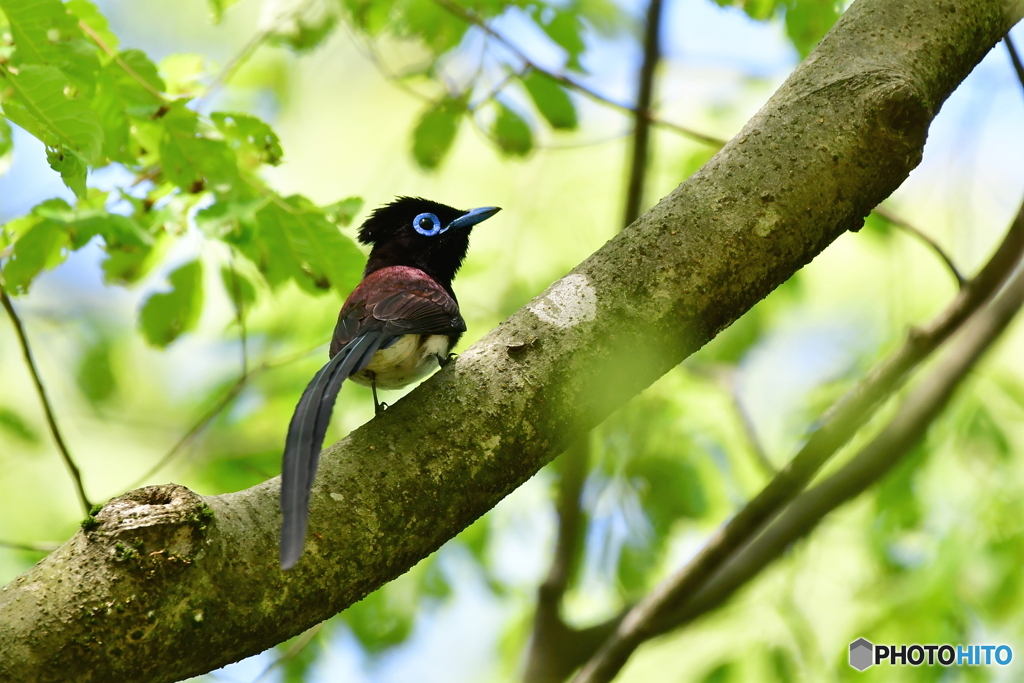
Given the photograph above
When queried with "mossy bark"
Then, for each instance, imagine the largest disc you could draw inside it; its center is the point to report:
(162, 589)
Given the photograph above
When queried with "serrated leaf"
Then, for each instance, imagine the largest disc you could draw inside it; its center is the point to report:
(551, 100)
(136, 82)
(435, 132)
(165, 316)
(512, 133)
(90, 15)
(41, 247)
(95, 374)
(41, 30)
(72, 170)
(254, 141)
(296, 240)
(191, 160)
(40, 106)
(15, 425)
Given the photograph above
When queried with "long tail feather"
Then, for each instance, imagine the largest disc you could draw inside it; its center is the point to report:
(306, 436)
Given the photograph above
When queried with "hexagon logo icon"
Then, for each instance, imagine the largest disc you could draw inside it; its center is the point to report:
(861, 654)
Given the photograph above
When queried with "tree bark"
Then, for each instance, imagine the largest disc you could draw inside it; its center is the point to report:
(170, 584)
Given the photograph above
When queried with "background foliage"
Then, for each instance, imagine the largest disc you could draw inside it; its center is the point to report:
(178, 215)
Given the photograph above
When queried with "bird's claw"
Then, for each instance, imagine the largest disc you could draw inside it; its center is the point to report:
(445, 360)
(379, 408)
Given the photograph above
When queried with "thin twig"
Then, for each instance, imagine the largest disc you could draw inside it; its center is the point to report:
(839, 424)
(30, 547)
(51, 419)
(120, 62)
(239, 60)
(932, 244)
(293, 650)
(213, 412)
(1018, 67)
(640, 151)
(472, 18)
(236, 296)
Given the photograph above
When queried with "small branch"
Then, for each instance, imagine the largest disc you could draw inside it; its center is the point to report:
(51, 419)
(932, 244)
(238, 61)
(471, 18)
(839, 424)
(120, 62)
(642, 127)
(293, 650)
(1018, 67)
(212, 413)
(236, 297)
(30, 547)
(906, 428)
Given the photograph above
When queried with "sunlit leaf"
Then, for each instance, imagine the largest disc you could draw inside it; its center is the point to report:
(512, 133)
(551, 100)
(72, 170)
(240, 289)
(218, 7)
(301, 25)
(807, 21)
(183, 73)
(165, 316)
(40, 106)
(90, 15)
(343, 212)
(435, 132)
(253, 140)
(191, 160)
(6, 145)
(43, 246)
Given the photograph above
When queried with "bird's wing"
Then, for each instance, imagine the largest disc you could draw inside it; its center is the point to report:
(379, 311)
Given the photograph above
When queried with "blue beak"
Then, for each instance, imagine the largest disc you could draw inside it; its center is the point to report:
(472, 217)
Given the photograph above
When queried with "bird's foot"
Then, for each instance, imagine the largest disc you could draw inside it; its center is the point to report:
(379, 408)
(445, 360)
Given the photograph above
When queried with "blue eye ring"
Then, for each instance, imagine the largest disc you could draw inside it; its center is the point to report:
(427, 224)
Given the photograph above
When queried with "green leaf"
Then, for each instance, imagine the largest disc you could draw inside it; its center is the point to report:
(42, 246)
(183, 73)
(72, 170)
(41, 30)
(551, 100)
(807, 21)
(40, 106)
(343, 212)
(165, 316)
(192, 161)
(95, 374)
(90, 15)
(138, 91)
(6, 145)
(240, 289)
(512, 133)
(564, 28)
(296, 240)
(15, 425)
(253, 140)
(127, 264)
(218, 7)
(439, 29)
(302, 25)
(379, 620)
(434, 134)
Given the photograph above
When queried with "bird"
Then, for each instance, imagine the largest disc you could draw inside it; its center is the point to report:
(399, 323)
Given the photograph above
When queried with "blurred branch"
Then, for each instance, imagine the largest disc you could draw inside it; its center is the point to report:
(471, 18)
(1018, 67)
(236, 299)
(839, 424)
(30, 547)
(899, 436)
(932, 244)
(642, 127)
(215, 410)
(51, 419)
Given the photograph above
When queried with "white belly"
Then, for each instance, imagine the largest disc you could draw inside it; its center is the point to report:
(410, 358)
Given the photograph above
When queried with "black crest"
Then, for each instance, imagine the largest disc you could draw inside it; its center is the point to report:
(395, 219)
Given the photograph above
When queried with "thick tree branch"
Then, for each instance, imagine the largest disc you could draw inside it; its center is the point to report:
(650, 616)
(142, 596)
(51, 419)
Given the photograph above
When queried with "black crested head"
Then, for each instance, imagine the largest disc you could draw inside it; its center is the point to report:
(412, 231)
